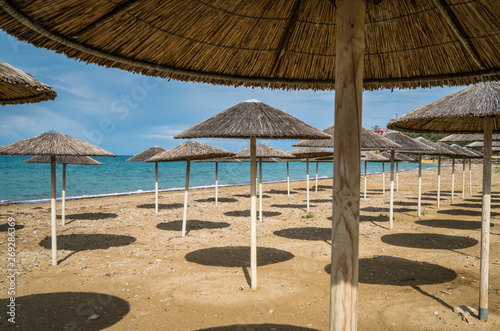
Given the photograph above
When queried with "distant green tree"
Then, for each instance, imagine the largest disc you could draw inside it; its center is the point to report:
(375, 127)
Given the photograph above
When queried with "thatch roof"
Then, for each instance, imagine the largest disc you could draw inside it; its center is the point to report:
(222, 159)
(459, 112)
(146, 154)
(439, 149)
(17, 87)
(466, 137)
(398, 157)
(309, 152)
(369, 141)
(405, 158)
(85, 160)
(478, 154)
(52, 143)
(408, 144)
(480, 144)
(264, 151)
(459, 152)
(252, 118)
(267, 43)
(191, 150)
(372, 157)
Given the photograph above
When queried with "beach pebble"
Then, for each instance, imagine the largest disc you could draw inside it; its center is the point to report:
(93, 317)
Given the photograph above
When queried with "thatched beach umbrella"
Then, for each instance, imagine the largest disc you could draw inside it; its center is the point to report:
(467, 137)
(189, 151)
(143, 156)
(263, 152)
(216, 161)
(252, 119)
(317, 44)
(372, 157)
(64, 160)
(474, 109)
(309, 152)
(53, 144)
(18, 87)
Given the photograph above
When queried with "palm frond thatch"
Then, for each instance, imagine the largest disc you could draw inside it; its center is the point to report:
(264, 152)
(252, 118)
(267, 43)
(459, 112)
(191, 150)
(310, 152)
(146, 154)
(467, 137)
(52, 143)
(18, 87)
(408, 144)
(62, 159)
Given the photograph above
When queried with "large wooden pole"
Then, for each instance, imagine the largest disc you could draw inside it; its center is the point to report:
(156, 187)
(463, 178)
(253, 213)
(63, 198)
(186, 192)
(260, 189)
(452, 178)
(53, 208)
(485, 222)
(383, 178)
(346, 168)
(439, 181)
(307, 182)
(216, 182)
(288, 177)
(365, 182)
(419, 184)
(316, 190)
(391, 208)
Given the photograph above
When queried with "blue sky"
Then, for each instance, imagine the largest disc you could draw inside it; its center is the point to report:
(126, 113)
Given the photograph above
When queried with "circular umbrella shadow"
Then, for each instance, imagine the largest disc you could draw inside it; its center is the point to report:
(258, 327)
(161, 206)
(218, 199)
(89, 216)
(67, 311)
(390, 270)
(246, 213)
(307, 233)
(191, 225)
(453, 224)
(237, 256)
(5, 227)
(428, 241)
(87, 242)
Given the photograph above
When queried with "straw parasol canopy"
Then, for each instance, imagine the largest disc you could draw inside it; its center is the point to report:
(18, 87)
(189, 151)
(467, 137)
(480, 144)
(398, 157)
(346, 45)
(53, 144)
(408, 144)
(143, 156)
(372, 157)
(369, 141)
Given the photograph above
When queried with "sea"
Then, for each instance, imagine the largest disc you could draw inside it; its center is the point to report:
(30, 182)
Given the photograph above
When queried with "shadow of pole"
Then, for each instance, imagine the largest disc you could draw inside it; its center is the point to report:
(440, 301)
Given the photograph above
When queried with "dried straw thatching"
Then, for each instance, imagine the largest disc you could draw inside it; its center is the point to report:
(222, 159)
(17, 87)
(310, 152)
(369, 141)
(264, 152)
(252, 118)
(191, 150)
(466, 137)
(277, 44)
(459, 112)
(398, 157)
(372, 157)
(62, 159)
(52, 143)
(480, 144)
(439, 149)
(477, 153)
(408, 144)
(146, 154)
(459, 151)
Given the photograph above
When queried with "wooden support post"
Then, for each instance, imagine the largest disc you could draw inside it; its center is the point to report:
(365, 182)
(419, 184)
(253, 213)
(53, 208)
(463, 178)
(397, 176)
(288, 177)
(156, 187)
(63, 198)
(383, 178)
(307, 182)
(391, 205)
(316, 190)
(260, 189)
(216, 182)
(439, 182)
(485, 221)
(452, 179)
(186, 192)
(349, 70)
(470, 176)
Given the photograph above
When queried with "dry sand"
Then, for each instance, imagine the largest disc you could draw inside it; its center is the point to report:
(130, 267)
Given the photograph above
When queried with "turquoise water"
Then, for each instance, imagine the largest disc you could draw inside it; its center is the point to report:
(30, 182)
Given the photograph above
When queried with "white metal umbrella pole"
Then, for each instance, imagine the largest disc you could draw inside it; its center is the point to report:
(470, 176)
(347, 163)
(186, 191)
(391, 209)
(485, 222)
(452, 178)
(383, 178)
(63, 199)
(307, 181)
(253, 213)
(317, 176)
(365, 182)
(53, 208)
(216, 181)
(260, 189)
(288, 177)
(419, 184)
(156, 187)
(439, 182)
(463, 178)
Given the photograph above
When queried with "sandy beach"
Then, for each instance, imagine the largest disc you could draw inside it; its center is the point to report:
(127, 268)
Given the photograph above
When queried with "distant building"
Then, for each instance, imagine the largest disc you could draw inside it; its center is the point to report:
(381, 131)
